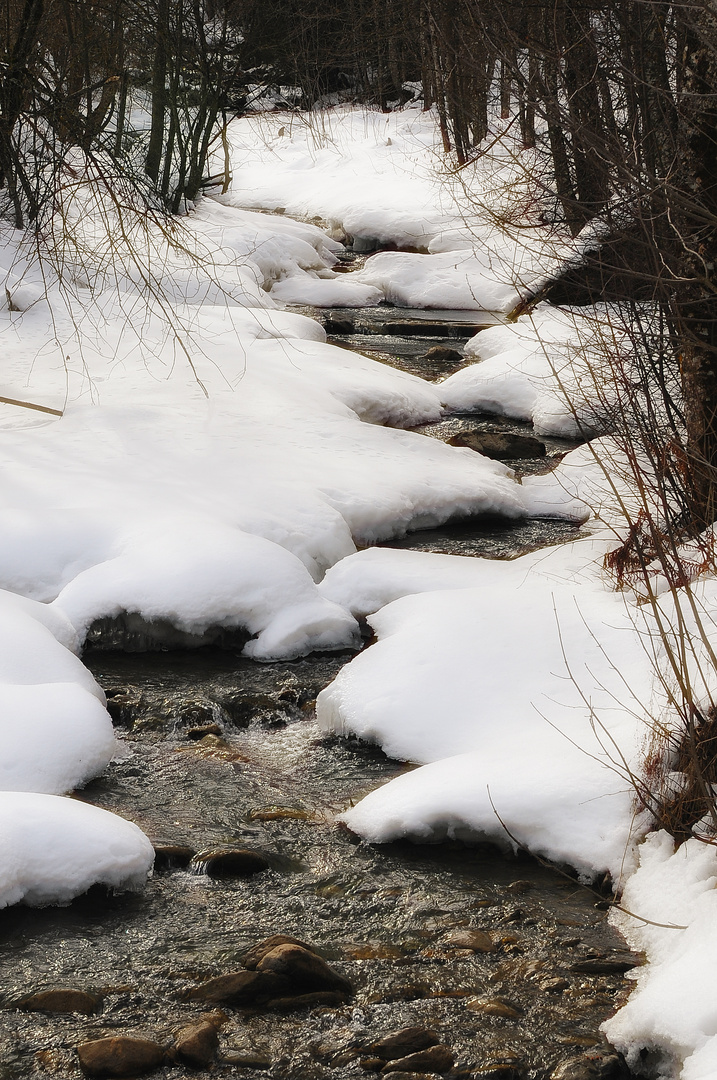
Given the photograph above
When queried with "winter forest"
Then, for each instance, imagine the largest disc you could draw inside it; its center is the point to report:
(358, 571)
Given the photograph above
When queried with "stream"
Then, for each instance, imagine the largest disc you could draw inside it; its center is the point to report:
(217, 751)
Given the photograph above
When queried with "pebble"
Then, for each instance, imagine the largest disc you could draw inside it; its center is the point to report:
(246, 1060)
(475, 940)
(494, 1007)
(120, 1056)
(406, 1041)
(554, 986)
(435, 1059)
(61, 1000)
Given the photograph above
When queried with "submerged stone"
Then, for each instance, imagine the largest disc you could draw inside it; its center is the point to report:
(241, 988)
(406, 1041)
(436, 1059)
(61, 1000)
(501, 445)
(120, 1056)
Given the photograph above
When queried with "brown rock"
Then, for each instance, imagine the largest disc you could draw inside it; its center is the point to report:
(230, 862)
(554, 986)
(437, 1059)
(604, 965)
(493, 1007)
(441, 354)
(258, 952)
(476, 940)
(197, 1044)
(197, 733)
(61, 1001)
(241, 988)
(521, 886)
(406, 1041)
(305, 970)
(501, 445)
(591, 1067)
(119, 1056)
(247, 1059)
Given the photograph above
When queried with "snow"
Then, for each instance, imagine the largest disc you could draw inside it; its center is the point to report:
(216, 464)
(550, 367)
(54, 849)
(530, 758)
(379, 179)
(55, 733)
(671, 1011)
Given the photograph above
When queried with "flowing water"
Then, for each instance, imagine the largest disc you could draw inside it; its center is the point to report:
(218, 751)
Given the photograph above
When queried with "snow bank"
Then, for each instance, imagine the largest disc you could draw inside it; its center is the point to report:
(535, 750)
(382, 180)
(149, 497)
(551, 367)
(671, 1012)
(53, 849)
(55, 733)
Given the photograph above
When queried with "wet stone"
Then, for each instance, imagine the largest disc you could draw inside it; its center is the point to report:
(230, 862)
(338, 327)
(120, 1056)
(475, 940)
(520, 887)
(246, 1060)
(604, 965)
(61, 1000)
(197, 1044)
(554, 986)
(501, 445)
(197, 733)
(436, 1059)
(443, 355)
(414, 1076)
(401, 1043)
(595, 1066)
(241, 988)
(303, 969)
(494, 1007)
(170, 856)
(256, 954)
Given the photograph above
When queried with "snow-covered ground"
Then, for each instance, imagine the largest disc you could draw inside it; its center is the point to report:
(211, 462)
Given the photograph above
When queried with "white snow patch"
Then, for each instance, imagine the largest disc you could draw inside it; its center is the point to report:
(53, 849)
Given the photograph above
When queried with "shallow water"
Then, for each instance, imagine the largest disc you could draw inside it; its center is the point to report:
(271, 783)
(219, 751)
